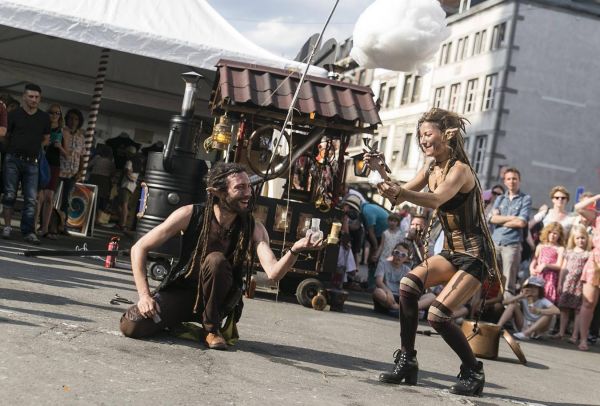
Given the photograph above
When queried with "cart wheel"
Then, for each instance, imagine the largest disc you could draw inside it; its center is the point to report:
(159, 270)
(307, 289)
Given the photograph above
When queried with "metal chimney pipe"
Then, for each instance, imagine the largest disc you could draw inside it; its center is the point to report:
(189, 96)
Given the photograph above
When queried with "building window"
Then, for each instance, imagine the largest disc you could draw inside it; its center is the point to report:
(406, 149)
(498, 36)
(395, 155)
(480, 144)
(445, 54)
(489, 91)
(466, 144)
(383, 144)
(461, 48)
(438, 97)
(454, 93)
(416, 92)
(479, 42)
(381, 92)
(412, 89)
(391, 96)
(471, 95)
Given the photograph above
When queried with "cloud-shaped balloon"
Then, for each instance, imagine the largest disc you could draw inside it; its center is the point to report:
(399, 34)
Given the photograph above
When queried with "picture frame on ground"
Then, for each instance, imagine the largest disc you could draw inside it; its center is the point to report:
(82, 208)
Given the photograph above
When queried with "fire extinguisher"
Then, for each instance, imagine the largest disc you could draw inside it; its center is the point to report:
(110, 260)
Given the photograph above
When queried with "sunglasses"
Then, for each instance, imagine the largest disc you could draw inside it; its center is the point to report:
(560, 197)
(399, 254)
(495, 193)
(55, 113)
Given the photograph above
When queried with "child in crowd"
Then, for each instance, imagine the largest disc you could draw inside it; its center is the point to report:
(548, 258)
(389, 239)
(387, 280)
(570, 284)
(346, 266)
(531, 312)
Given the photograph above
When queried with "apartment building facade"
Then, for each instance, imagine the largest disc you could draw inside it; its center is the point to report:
(522, 73)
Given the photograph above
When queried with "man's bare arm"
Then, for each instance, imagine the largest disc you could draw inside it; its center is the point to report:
(275, 269)
(177, 222)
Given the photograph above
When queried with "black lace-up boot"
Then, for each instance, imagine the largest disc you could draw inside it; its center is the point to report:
(470, 381)
(406, 369)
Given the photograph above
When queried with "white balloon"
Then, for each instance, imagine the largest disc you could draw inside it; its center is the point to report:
(399, 34)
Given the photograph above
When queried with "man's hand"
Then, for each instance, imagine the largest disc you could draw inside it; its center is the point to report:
(304, 244)
(147, 306)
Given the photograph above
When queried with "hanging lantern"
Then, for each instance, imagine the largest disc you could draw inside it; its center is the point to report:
(360, 166)
(221, 135)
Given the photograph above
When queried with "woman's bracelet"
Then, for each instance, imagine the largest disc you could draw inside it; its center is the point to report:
(399, 194)
(294, 252)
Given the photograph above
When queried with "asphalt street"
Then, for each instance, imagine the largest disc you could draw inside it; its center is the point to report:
(61, 345)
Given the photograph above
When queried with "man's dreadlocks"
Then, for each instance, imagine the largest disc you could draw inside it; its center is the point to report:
(217, 179)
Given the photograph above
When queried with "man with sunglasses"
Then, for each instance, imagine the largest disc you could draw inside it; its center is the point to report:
(387, 280)
(510, 215)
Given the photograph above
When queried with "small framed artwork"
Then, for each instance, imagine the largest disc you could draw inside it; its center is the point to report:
(82, 209)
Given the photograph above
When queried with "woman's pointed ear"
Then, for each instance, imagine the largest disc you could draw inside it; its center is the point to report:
(451, 133)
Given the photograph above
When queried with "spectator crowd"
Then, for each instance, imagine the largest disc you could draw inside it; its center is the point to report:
(549, 260)
(42, 154)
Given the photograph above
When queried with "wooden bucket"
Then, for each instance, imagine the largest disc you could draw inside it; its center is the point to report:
(485, 341)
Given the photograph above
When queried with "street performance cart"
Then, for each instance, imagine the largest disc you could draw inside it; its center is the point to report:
(299, 175)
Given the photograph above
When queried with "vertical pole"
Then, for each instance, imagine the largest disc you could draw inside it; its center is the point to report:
(94, 108)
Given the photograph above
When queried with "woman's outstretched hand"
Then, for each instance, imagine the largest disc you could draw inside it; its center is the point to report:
(391, 191)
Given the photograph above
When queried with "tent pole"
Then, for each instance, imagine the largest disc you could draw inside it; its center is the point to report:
(94, 108)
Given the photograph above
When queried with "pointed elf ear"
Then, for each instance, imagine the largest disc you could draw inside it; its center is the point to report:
(451, 133)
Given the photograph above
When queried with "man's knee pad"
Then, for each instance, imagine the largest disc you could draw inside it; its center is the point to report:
(438, 315)
(411, 285)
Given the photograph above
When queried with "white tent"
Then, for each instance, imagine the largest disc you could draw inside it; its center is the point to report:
(57, 44)
(188, 32)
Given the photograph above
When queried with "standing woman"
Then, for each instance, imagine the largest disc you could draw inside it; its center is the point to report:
(53, 153)
(587, 207)
(71, 164)
(468, 256)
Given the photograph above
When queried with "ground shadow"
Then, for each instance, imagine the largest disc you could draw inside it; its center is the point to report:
(17, 322)
(35, 272)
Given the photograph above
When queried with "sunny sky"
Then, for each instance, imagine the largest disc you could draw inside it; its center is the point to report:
(282, 26)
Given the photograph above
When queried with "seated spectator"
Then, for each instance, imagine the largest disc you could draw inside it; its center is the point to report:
(387, 280)
(532, 314)
(492, 309)
(389, 239)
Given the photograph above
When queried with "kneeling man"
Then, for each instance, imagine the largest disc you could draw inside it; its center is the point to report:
(206, 284)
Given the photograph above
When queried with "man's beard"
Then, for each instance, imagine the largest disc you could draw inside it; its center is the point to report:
(233, 205)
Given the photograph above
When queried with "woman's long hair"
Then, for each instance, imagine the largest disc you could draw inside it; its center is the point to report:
(453, 127)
